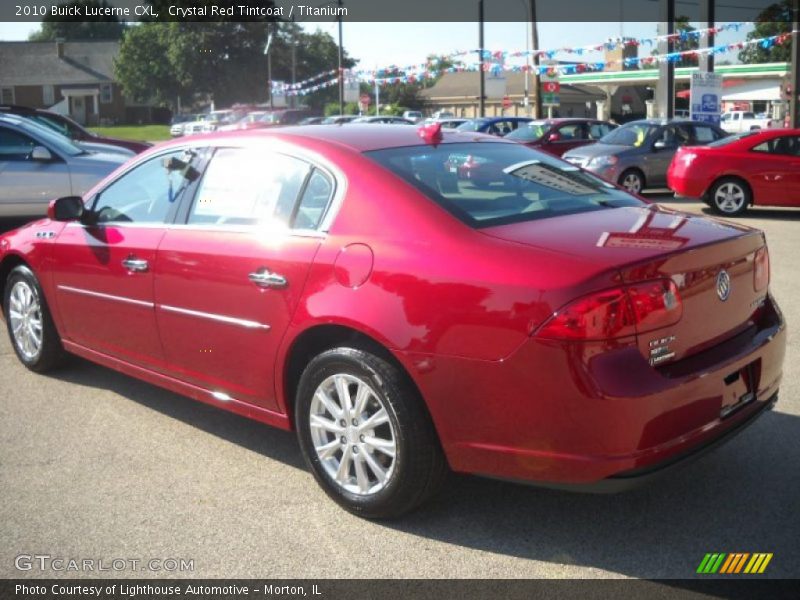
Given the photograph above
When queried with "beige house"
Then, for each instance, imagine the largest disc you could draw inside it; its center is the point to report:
(72, 78)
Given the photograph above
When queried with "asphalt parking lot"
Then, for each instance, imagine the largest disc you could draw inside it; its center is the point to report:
(97, 465)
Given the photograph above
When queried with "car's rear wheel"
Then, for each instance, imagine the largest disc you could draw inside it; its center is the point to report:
(366, 435)
(632, 180)
(730, 197)
(30, 325)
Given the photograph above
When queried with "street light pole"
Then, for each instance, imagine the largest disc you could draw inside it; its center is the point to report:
(537, 108)
(482, 99)
(341, 71)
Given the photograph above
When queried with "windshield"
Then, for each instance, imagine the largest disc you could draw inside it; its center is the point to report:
(486, 184)
(529, 132)
(61, 127)
(632, 134)
(54, 140)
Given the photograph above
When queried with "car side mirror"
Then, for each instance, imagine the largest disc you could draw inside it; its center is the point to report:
(662, 145)
(553, 137)
(66, 208)
(41, 153)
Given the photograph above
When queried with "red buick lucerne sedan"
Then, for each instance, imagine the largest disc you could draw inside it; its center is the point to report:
(756, 168)
(343, 282)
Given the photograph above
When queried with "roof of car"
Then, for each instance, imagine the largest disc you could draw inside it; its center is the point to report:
(362, 138)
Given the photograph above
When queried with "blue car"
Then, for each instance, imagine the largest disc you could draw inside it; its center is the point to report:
(493, 125)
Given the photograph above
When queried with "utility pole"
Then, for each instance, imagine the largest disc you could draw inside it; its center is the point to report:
(341, 70)
(793, 107)
(482, 99)
(707, 17)
(537, 109)
(665, 91)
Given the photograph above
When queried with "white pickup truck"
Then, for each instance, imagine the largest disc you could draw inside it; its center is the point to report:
(739, 121)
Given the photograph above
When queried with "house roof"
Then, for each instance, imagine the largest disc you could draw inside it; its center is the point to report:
(464, 85)
(38, 63)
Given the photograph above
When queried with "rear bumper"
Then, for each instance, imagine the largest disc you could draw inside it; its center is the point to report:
(591, 416)
(686, 186)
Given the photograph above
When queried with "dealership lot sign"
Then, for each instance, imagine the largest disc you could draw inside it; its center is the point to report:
(705, 97)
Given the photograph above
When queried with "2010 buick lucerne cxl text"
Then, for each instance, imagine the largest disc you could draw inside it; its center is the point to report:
(536, 324)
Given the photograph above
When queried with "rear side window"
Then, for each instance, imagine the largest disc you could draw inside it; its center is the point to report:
(314, 202)
(573, 131)
(247, 187)
(704, 135)
(785, 145)
(486, 184)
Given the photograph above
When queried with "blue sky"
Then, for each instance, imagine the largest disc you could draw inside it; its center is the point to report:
(382, 44)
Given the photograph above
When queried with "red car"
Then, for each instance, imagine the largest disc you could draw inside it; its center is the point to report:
(341, 282)
(556, 136)
(755, 168)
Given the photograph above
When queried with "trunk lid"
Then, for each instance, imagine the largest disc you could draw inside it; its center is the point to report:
(647, 243)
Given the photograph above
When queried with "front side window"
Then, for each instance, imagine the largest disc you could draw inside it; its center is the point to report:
(598, 130)
(14, 146)
(148, 192)
(248, 187)
(486, 184)
(573, 131)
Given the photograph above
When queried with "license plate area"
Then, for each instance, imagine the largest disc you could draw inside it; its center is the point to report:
(740, 389)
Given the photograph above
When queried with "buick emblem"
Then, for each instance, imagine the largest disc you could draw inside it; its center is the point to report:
(723, 285)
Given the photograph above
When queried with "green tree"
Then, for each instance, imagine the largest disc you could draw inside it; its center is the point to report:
(773, 20)
(223, 60)
(78, 28)
(143, 66)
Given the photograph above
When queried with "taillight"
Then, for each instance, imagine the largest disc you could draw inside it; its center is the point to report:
(761, 269)
(616, 313)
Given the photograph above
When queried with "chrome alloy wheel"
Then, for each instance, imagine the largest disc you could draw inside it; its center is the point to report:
(729, 197)
(352, 434)
(25, 317)
(632, 182)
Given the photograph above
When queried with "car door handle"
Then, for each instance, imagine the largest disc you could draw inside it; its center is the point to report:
(267, 279)
(136, 265)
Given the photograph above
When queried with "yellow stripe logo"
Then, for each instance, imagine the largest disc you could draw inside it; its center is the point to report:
(734, 563)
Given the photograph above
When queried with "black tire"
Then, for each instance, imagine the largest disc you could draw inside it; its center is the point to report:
(50, 352)
(627, 178)
(418, 467)
(730, 197)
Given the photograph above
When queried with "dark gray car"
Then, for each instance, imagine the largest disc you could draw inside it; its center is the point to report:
(38, 165)
(637, 155)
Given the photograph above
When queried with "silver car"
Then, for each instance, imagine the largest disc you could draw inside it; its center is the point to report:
(37, 165)
(637, 155)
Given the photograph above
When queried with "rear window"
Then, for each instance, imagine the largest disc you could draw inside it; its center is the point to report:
(487, 184)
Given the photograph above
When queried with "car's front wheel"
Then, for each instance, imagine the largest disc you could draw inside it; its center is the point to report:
(632, 180)
(30, 325)
(366, 435)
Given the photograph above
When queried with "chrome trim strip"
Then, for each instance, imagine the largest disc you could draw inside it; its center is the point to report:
(247, 324)
(74, 290)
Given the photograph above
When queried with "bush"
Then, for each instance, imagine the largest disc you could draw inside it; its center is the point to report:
(332, 108)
